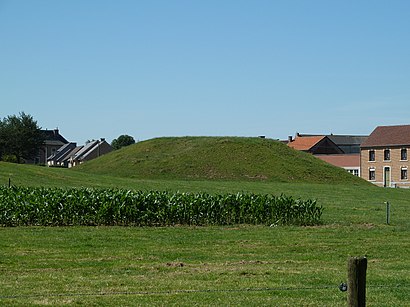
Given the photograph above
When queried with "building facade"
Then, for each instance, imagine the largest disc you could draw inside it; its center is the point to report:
(384, 156)
(53, 140)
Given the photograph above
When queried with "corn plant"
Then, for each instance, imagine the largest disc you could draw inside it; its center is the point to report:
(84, 206)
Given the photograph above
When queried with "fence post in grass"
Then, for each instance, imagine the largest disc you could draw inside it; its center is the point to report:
(9, 182)
(356, 283)
(388, 213)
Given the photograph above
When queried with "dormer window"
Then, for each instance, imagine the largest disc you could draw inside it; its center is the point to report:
(403, 154)
(387, 155)
(372, 155)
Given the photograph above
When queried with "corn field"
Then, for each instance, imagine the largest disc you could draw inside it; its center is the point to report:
(23, 206)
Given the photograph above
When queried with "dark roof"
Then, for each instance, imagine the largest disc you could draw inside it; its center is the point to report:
(389, 136)
(62, 152)
(54, 135)
(71, 154)
(341, 139)
(81, 153)
(87, 147)
(347, 139)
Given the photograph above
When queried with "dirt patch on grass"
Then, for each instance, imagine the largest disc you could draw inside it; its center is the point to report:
(175, 264)
(368, 225)
(248, 262)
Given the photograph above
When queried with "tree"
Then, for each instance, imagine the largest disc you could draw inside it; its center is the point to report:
(20, 137)
(122, 141)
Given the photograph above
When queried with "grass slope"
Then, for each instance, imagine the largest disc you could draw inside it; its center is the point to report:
(221, 158)
(33, 175)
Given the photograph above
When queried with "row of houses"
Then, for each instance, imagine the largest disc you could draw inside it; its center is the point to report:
(57, 151)
(381, 157)
(339, 150)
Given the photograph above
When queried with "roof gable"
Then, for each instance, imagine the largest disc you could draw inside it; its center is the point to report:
(389, 136)
(318, 144)
(305, 143)
(326, 146)
(62, 151)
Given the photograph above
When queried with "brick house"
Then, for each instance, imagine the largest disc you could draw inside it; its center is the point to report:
(384, 156)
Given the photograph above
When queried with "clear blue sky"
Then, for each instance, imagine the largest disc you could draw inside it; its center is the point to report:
(174, 68)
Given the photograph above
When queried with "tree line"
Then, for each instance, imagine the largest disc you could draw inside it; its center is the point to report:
(20, 138)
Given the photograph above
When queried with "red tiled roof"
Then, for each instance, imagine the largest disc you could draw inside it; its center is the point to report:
(388, 136)
(305, 142)
(351, 160)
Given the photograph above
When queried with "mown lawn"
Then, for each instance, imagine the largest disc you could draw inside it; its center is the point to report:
(238, 265)
(235, 265)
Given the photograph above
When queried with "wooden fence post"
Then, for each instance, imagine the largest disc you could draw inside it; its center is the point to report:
(356, 283)
(387, 213)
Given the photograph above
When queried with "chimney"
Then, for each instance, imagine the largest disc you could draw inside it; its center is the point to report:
(290, 139)
(55, 131)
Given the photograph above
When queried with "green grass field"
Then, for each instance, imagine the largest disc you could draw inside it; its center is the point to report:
(240, 265)
(209, 266)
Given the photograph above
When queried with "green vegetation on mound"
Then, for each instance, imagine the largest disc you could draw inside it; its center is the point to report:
(220, 158)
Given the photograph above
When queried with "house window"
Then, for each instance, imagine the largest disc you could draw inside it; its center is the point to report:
(403, 154)
(403, 173)
(387, 155)
(354, 172)
(372, 174)
(372, 155)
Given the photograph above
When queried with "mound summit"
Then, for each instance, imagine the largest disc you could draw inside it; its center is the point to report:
(216, 158)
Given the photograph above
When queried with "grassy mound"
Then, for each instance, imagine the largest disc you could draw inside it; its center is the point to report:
(220, 158)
